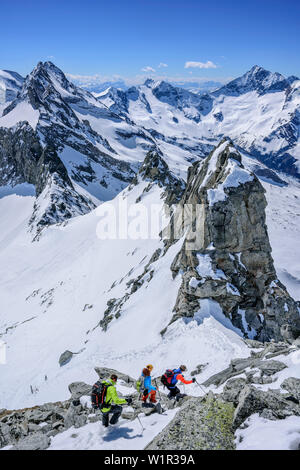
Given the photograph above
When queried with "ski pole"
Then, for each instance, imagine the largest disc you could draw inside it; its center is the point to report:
(157, 389)
(200, 387)
(140, 423)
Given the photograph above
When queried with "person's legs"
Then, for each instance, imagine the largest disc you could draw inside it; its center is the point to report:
(153, 396)
(145, 395)
(180, 395)
(173, 392)
(105, 418)
(116, 410)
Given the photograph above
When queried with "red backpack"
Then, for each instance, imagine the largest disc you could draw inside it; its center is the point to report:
(166, 379)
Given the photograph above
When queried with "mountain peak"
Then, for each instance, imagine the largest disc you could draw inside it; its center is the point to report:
(149, 82)
(256, 79)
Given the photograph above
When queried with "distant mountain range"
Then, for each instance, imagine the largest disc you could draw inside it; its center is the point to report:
(82, 147)
(96, 86)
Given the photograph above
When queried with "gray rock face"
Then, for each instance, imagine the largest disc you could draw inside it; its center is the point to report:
(198, 425)
(79, 389)
(74, 418)
(232, 390)
(31, 156)
(4, 434)
(251, 400)
(35, 441)
(105, 373)
(225, 260)
(155, 170)
(23, 159)
(292, 385)
(271, 367)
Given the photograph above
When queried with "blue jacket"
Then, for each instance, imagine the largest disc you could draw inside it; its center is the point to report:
(147, 383)
(174, 378)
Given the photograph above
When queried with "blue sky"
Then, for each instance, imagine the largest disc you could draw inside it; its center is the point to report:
(190, 40)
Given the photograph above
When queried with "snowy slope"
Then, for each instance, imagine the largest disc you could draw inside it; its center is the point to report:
(55, 293)
(10, 85)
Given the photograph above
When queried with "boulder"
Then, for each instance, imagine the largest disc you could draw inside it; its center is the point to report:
(105, 373)
(251, 400)
(232, 389)
(75, 416)
(65, 357)
(292, 385)
(35, 441)
(37, 416)
(200, 424)
(79, 389)
(271, 367)
(254, 344)
(5, 437)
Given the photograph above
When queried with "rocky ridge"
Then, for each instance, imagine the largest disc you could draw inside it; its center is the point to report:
(225, 260)
(208, 422)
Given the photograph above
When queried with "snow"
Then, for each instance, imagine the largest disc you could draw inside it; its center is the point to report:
(45, 289)
(251, 332)
(283, 222)
(23, 189)
(235, 177)
(22, 112)
(126, 434)
(264, 434)
(212, 165)
(205, 269)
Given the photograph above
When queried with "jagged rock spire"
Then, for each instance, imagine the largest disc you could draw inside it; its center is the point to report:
(225, 259)
(155, 170)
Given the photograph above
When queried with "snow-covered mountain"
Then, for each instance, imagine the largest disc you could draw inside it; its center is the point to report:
(101, 140)
(96, 182)
(258, 111)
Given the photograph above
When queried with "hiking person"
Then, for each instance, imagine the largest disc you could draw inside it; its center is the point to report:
(105, 398)
(148, 390)
(170, 379)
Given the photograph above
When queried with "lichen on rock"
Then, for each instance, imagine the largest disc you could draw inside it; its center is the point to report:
(200, 424)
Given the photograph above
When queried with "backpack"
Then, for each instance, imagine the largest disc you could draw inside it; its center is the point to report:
(98, 395)
(166, 379)
(140, 384)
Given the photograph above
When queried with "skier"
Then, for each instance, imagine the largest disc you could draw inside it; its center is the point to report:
(112, 397)
(170, 379)
(149, 391)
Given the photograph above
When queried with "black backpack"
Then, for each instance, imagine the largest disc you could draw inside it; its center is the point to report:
(98, 395)
(166, 379)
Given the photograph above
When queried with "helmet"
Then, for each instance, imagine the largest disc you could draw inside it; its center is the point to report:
(182, 367)
(149, 366)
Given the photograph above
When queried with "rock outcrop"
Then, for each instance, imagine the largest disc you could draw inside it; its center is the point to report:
(24, 159)
(225, 260)
(200, 424)
(242, 376)
(32, 428)
(155, 170)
